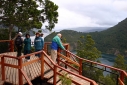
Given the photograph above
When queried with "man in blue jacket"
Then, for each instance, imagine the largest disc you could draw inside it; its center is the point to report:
(38, 43)
(56, 43)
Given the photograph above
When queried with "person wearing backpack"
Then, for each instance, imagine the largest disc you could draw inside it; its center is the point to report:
(27, 46)
(19, 44)
(38, 43)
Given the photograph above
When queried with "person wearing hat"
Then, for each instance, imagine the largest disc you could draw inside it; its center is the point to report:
(56, 42)
(19, 44)
(27, 46)
(38, 43)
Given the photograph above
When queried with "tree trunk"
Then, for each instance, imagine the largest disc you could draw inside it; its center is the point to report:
(10, 30)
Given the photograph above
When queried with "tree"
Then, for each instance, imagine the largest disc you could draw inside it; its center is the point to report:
(86, 49)
(121, 64)
(65, 79)
(28, 14)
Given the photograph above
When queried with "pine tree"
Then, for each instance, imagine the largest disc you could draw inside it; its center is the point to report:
(121, 64)
(86, 49)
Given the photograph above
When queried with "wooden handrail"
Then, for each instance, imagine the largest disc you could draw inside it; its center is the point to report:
(5, 40)
(68, 59)
(122, 72)
(120, 81)
(85, 60)
(82, 77)
(25, 76)
(30, 54)
(8, 56)
(56, 65)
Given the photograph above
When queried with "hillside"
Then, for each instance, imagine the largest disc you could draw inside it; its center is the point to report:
(112, 40)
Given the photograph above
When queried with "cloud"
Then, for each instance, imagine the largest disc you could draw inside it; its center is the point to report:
(90, 13)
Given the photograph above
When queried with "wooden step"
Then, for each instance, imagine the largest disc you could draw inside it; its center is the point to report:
(1, 82)
(77, 79)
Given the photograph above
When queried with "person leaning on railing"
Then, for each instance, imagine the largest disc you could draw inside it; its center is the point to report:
(56, 42)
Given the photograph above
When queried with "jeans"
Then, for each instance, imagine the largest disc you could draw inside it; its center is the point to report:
(19, 50)
(27, 52)
(39, 54)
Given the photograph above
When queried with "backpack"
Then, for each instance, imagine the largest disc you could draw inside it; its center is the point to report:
(18, 41)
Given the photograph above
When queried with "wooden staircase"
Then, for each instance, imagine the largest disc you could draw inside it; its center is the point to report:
(1, 82)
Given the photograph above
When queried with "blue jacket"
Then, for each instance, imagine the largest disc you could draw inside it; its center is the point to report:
(38, 43)
(56, 42)
(27, 42)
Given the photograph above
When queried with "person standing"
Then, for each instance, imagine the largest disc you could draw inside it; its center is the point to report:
(56, 42)
(38, 43)
(27, 46)
(42, 35)
(19, 44)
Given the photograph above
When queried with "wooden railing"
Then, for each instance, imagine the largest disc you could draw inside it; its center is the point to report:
(20, 65)
(56, 66)
(122, 73)
(11, 44)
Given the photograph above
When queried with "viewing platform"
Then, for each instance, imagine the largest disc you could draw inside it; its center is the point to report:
(18, 71)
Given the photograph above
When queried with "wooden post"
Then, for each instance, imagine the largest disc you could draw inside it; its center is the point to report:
(19, 71)
(54, 79)
(42, 65)
(80, 68)
(122, 76)
(45, 47)
(3, 68)
(12, 46)
(67, 48)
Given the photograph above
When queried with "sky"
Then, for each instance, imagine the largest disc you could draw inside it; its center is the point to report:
(90, 13)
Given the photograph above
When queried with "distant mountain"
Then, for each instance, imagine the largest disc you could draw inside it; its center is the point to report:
(85, 29)
(112, 40)
(89, 29)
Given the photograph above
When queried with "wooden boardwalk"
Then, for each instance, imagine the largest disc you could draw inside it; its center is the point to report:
(33, 71)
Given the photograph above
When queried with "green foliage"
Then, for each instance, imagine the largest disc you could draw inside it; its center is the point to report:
(86, 48)
(107, 80)
(65, 80)
(4, 36)
(120, 62)
(28, 14)
(32, 49)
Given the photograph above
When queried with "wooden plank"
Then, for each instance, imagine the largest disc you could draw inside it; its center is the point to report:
(51, 80)
(9, 71)
(13, 73)
(48, 75)
(1, 82)
(33, 75)
(17, 76)
(38, 73)
(77, 79)
(25, 69)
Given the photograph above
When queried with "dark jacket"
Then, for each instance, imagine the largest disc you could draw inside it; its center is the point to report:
(38, 43)
(27, 44)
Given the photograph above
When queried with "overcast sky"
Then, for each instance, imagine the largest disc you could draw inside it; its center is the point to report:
(90, 13)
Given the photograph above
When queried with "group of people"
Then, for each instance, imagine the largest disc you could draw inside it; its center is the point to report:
(19, 43)
(38, 45)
